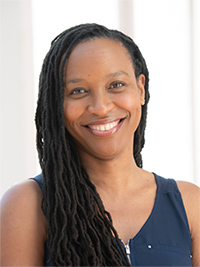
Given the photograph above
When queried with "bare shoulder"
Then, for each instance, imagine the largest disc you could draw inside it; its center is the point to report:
(191, 199)
(183, 185)
(22, 190)
(23, 226)
(22, 198)
(190, 194)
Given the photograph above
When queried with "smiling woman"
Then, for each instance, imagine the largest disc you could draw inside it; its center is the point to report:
(99, 207)
(103, 98)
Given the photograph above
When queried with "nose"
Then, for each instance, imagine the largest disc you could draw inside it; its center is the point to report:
(100, 104)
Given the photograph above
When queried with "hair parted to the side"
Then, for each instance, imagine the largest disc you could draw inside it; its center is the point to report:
(80, 231)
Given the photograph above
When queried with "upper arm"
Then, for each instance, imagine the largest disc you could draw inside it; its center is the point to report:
(191, 199)
(23, 229)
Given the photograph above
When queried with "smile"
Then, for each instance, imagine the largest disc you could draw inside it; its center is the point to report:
(105, 129)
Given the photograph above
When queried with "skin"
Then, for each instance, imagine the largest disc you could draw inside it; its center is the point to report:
(100, 88)
(93, 98)
(23, 226)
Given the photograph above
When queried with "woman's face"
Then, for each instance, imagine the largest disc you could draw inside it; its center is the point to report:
(102, 100)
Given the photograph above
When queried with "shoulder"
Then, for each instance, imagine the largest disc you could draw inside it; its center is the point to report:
(191, 196)
(191, 199)
(23, 189)
(23, 226)
(22, 197)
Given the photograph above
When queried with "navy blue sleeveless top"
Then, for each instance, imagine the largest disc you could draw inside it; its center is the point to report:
(164, 239)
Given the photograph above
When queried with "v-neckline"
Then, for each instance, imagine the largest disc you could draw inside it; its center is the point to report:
(150, 215)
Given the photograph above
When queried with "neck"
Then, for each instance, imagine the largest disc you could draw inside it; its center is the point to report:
(113, 176)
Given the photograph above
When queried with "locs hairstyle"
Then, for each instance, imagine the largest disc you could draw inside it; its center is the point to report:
(79, 229)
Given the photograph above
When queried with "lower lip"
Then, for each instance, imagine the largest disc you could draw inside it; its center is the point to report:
(105, 133)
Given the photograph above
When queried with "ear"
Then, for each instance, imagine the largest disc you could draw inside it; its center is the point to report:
(141, 83)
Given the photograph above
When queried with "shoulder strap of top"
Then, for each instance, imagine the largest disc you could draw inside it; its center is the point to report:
(38, 179)
(166, 185)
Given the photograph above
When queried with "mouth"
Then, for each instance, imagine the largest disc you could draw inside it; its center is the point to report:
(105, 128)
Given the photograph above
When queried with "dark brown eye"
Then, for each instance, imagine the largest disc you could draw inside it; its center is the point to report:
(116, 85)
(77, 91)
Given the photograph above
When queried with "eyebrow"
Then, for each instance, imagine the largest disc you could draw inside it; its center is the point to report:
(114, 74)
(118, 73)
(74, 81)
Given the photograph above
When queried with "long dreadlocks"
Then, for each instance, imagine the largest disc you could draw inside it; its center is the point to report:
(80, 231)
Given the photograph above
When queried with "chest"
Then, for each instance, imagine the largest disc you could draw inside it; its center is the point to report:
(130, 214)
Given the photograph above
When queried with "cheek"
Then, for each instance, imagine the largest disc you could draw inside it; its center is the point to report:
(130, 102)
(72, 113)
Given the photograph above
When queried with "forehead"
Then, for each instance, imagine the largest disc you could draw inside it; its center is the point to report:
(99, 45)
(102, 52)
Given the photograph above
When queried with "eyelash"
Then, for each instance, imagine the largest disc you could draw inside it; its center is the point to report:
(112, 86)
(77, 91)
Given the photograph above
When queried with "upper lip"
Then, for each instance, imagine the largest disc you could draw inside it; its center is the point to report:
(104, 121)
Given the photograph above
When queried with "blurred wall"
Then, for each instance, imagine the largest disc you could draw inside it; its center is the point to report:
(17, 142)
(167, 33)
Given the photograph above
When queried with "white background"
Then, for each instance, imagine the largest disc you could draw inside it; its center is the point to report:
(167, 32)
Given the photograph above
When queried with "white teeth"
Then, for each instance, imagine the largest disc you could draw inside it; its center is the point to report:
(104, 127)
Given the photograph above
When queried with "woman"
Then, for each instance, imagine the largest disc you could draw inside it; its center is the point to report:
(99, 207)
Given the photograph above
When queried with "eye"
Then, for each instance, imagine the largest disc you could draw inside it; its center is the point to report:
(78, 92)
(116, 85)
